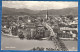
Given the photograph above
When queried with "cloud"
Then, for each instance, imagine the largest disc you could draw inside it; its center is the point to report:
(39, 5)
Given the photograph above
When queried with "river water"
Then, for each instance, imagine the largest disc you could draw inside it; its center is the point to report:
(10, 43)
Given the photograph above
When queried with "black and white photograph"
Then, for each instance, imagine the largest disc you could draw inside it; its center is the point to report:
(39, 25)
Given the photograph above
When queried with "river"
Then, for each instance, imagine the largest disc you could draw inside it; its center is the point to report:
(11, 43)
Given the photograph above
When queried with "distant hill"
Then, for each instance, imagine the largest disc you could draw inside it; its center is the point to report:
(65, 11)
(13, 11)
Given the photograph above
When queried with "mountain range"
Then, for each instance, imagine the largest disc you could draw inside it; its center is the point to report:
(65, 11)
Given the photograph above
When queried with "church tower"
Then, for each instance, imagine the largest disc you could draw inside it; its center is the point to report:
(47, 14)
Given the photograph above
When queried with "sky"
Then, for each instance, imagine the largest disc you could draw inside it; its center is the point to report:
(39, 5)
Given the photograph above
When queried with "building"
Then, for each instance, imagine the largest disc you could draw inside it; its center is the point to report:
(7, 21)
(69, 32)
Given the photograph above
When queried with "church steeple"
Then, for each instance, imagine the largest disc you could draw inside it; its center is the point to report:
(47, 14)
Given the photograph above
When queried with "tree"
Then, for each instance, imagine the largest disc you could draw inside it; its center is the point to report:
(70, 17)
(21, 36)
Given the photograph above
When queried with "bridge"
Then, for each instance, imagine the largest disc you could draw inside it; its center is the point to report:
(59, 45)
